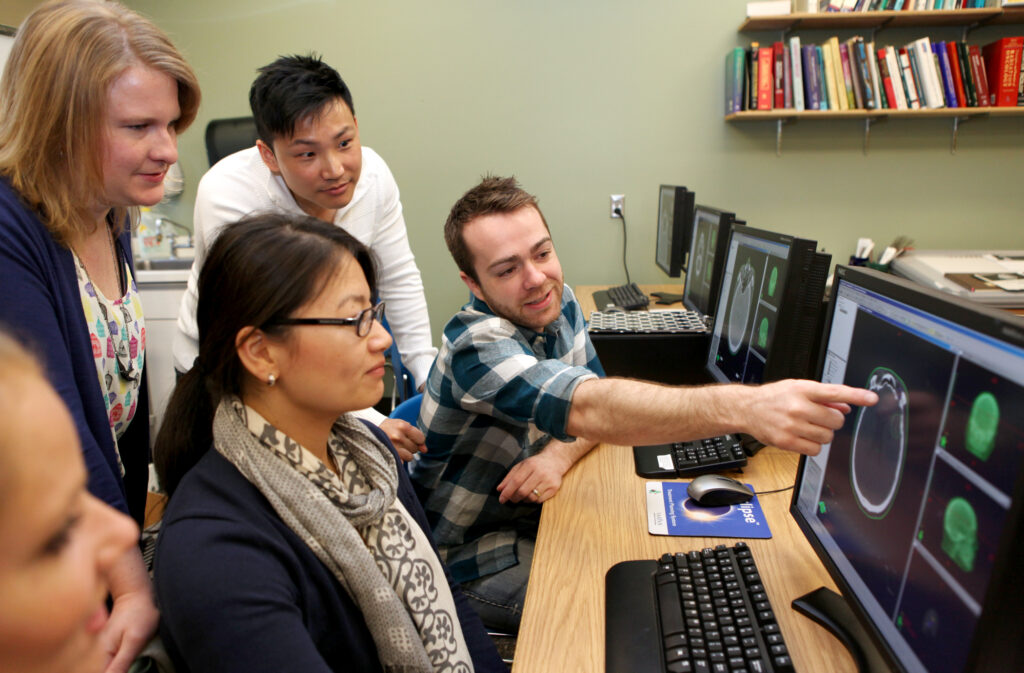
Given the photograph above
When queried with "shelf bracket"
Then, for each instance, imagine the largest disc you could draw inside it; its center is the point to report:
(956, 132)
(778, 136)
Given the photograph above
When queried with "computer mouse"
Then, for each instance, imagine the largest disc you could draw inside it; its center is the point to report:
(713, 490)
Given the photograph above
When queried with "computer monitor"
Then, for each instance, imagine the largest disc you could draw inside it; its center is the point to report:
(709, 238)
(675, 213)
(915, 507)
(769, 304)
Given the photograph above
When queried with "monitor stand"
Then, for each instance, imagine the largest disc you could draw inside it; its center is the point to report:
(830, 610)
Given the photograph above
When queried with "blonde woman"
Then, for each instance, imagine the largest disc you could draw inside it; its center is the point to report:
(91, 101)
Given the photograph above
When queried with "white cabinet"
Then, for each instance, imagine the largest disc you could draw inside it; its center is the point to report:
(161, 293)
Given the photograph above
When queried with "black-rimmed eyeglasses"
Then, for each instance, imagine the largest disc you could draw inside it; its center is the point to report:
(362, 322)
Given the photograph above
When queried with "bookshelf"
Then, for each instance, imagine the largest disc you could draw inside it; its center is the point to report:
(968, 19)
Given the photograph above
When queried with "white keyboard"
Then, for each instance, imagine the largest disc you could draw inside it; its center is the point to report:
(646, 322)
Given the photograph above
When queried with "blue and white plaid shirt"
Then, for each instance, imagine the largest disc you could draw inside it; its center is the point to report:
(496, 395)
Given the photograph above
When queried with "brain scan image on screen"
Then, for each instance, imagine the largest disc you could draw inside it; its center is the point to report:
(742, 299)
(773, 281)
(982, 424)
(698, 255)
(762, 334)
(879, 444)
(960, 533)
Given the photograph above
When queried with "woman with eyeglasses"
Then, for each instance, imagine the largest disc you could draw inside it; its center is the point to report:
(92, 99)
(292, 539)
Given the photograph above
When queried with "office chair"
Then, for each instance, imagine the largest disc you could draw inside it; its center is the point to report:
(404, 385)
(227, 136)
(409, 410)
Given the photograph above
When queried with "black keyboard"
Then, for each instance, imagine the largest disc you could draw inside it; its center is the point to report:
(700, 612)
(684, 459)
(628, 297)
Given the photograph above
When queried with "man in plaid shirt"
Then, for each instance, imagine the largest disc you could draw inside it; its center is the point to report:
(517, 396)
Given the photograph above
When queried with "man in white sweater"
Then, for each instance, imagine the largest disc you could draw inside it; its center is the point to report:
(308, 159)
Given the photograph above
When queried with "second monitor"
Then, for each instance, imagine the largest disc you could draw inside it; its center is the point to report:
(675, 212)
(766, 327)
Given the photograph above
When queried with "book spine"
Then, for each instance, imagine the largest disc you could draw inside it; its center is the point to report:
(829, 73)
(883, 71)
(778, 76)
(755, 48)
(893, 63)
(819, 53)
(970, 88)
(869, 83)
(764, 78)
(922, 60)
(735, 62)
(979, 76)
(852, 99)
(876, 77)
(907, 75)
(796, 63)
(953, 57)
(838, 79)
(812, 78)
(948, 88)
(1002, 63)
(1020, 85)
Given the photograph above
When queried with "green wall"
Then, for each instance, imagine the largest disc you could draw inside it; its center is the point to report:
(584, 98)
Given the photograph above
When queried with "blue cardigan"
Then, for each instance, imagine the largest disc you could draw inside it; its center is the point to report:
(240, 592)
(42, 307)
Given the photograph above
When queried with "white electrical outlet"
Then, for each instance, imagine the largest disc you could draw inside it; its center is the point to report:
(618, 202)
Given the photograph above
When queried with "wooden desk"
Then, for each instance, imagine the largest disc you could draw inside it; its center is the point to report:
(598, 518)
(585, 295)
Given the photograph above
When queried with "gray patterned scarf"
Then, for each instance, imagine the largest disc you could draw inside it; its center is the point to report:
(357, 527)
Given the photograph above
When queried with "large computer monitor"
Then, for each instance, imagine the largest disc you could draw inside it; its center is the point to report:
(675, 213)
(709, 238)
(915, 507)
(767, 319)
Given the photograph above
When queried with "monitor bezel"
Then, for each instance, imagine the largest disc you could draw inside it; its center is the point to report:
(1000, 609)
(718, 261)
(679, 232)
(796, 246)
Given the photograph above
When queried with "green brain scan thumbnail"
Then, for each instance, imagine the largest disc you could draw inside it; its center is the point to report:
(960, 533)
(982, 425)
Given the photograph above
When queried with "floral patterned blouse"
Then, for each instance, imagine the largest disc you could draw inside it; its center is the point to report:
(118, 333)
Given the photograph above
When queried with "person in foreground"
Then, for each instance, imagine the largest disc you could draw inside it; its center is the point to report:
(517, 396)
(92, 99)
(309, 160)
(293, 539)
(58, 543)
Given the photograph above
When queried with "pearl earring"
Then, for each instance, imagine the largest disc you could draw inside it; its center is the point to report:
(271, 380)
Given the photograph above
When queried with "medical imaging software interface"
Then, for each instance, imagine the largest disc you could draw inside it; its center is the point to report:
(910, 498)
(697, 290)
(748, 308)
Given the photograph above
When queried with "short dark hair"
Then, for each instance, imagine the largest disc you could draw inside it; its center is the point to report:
(291, 89)
(259, 270)
(492, 195)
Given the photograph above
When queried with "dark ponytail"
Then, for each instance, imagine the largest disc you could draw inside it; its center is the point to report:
(260, 269)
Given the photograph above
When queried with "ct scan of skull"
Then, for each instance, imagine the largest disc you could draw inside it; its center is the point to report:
(742, 298)
(879, 448)
(697, 256)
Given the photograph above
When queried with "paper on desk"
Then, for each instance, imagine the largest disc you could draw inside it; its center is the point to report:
(670, 511)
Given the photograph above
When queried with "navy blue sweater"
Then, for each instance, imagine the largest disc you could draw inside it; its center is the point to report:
(239, 591)
(41, 306)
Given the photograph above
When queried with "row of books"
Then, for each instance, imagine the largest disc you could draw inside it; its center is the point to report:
(855, 74)
(890, 5)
